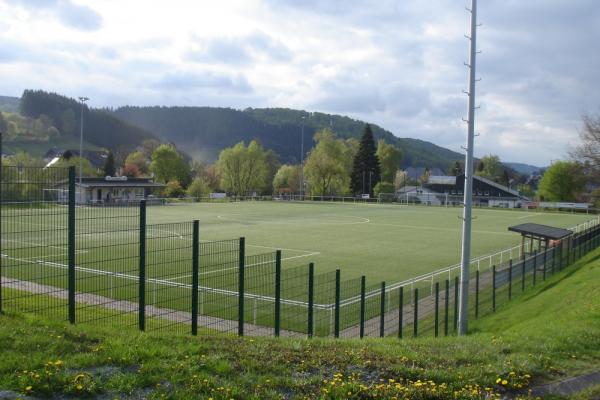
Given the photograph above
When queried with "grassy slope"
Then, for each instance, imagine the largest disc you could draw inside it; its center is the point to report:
(552, 331)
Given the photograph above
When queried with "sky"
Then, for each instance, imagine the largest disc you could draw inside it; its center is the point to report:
(398, 64)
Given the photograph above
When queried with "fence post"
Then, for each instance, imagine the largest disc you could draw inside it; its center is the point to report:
(523, 262)
(195, 274)
(494, 288)
(569, 244)
(277, 292)
(437, 310)
(241, 278)
(363, 285)
(476, 294)
(416, 314)
(510, 268)
(455, 303)
(534, 266)
(382, 311)
(71, 246)
(446, 307)
(553, 260)
(545, 260)
(400, 312)
(336, 318)
(311, 300)
(142, 271)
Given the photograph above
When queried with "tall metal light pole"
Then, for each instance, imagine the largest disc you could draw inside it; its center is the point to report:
(302, 160)
(82, 100)
(468, 189)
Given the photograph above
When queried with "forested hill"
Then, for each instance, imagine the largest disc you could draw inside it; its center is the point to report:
(100, 128)
(204, 131)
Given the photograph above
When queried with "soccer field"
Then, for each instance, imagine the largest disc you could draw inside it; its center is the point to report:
(384, 242)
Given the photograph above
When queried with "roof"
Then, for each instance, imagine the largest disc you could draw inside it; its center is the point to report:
(542, 231)
(121, 184)
(497, 185)
(441, 180)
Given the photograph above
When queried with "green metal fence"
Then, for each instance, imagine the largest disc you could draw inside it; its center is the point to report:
(70, 260)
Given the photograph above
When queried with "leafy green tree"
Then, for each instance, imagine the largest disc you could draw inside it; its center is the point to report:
(365, 168)
(273, 164)
(384, 187)
(325, 168)
(400, 179)
(490, 167)
(88, 168)
(198, 188)
(243, 169)
(389, 160)
(109, 165)
(168, 165)
(174, 189)
(526, 190)
(138, 159)
(562, 181)
(287, 179)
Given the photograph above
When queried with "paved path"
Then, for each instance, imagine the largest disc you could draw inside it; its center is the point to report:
(205, 321)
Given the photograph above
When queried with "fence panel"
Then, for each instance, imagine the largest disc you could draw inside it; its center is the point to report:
(34, 255)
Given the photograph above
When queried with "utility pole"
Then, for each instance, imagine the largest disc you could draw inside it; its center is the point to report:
(302, 161)
(468, 188)
(82, 100)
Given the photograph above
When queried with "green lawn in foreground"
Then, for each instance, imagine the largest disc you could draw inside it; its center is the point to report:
(384, 242)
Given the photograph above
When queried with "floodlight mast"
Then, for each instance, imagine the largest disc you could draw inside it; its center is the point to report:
(468, 189)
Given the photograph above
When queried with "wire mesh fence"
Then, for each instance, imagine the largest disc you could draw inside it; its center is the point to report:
(70, 260)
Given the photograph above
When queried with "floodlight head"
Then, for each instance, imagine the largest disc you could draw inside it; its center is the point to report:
(83, 99)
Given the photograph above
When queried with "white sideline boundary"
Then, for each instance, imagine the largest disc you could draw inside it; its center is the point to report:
(169, 283)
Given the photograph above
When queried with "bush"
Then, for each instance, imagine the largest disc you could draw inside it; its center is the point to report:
(198, 188)
(383, 187)
(174, 189)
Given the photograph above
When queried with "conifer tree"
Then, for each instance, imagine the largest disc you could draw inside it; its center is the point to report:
(109, 165)
(365, 168)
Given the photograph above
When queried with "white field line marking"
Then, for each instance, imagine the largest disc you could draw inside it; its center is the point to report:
(55, 255)
(38, 224)
(434, 228)
(364, 220)
(529, 216)
(35, 244)
(247, 266)
(175, 284)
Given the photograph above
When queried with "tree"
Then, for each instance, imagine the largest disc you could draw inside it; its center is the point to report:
(3, 124)
(325, 168)
(138, 159)
(562, 181)
(287, 179)
(198, 188)
(490, 167)
(526, 190)
(456, 169)
(109, 165)
(400, 179)
(423, 179)
(588, 151)
(131, 171)
(273, 164)
(168, 165)
(389, 160)
(365, 168)
(88, 168)
(383, 187)
(174, 189)
(243, 169)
